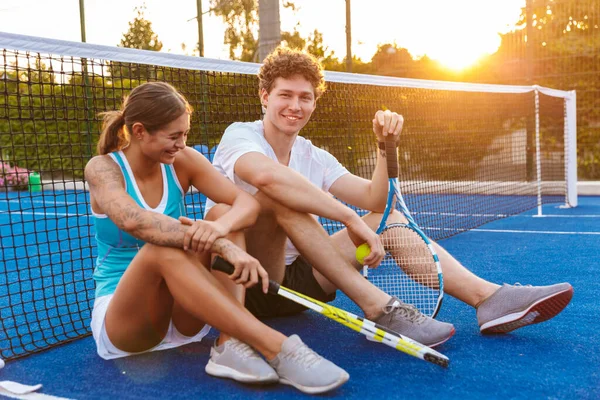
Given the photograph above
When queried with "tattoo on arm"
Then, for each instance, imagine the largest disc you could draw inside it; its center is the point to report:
(382, 153)
(223, 247)
(107, 185)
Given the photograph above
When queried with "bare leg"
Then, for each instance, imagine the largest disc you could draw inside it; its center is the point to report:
(238, 291)
(139, 314)
(316, 246)
(266, 241)
(461, 283)
(458, 281)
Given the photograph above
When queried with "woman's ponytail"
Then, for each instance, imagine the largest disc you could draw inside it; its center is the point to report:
(114, 135)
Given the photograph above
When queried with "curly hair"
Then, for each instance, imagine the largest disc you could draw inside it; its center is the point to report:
(285, 63)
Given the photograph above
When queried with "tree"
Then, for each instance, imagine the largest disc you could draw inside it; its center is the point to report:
(140, 35)
(241, 36)
(241, 18)
(389, 59)
(563, 53)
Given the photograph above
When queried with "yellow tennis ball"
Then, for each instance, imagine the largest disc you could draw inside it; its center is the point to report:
(362, 251)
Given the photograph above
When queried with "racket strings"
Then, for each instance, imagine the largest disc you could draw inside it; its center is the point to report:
(407, 250)
(408, 270)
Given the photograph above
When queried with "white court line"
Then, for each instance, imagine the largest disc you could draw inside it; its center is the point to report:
(510, 231)
(507, 215)
(461, 215)
(494, 230)
(541, 232)
(558, 216)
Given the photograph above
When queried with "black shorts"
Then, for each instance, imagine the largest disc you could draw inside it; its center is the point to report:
(299, 277)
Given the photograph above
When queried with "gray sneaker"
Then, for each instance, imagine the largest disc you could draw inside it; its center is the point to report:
(236, 360)
(406, 320)
(512, 307)
(299, 366)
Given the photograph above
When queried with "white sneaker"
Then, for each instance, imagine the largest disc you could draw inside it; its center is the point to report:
(299, 366)
(238, 361)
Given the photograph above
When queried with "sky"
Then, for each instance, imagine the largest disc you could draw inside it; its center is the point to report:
(454, 32)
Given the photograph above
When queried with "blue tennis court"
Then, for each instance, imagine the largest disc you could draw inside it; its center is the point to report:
(556, 359)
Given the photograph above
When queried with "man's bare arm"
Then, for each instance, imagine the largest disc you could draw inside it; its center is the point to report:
(290, 188)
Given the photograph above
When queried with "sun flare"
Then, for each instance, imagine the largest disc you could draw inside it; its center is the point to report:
(457, 52)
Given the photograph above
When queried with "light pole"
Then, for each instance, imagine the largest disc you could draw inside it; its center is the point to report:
(86, 84)
(82, 19)
(200, 30)
(348, 38)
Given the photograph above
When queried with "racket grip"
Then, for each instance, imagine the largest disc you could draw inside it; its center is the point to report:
(219, 264)
(391, 155)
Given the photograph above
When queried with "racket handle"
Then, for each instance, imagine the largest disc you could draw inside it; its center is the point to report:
(391, 155)
(220, 264)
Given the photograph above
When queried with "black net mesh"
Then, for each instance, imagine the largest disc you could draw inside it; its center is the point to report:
(466, 158)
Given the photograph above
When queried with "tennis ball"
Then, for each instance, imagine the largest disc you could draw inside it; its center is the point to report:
(362, 251)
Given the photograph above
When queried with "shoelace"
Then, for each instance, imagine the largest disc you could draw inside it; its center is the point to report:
(518, 284)
(242, 349)
(304, 356)
(404, 310)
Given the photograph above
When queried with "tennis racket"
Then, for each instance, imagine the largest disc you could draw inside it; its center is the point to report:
(411, 269)
(368, 328)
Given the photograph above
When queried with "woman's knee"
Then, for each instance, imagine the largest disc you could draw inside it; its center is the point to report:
(161, 255)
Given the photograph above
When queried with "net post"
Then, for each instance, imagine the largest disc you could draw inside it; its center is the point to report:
(571, 148)
(538, 163)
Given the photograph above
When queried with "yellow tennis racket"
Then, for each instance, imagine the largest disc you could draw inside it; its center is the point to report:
(368, 328)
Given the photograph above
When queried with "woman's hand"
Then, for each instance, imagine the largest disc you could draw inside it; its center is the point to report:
(201, 234)
(247, 269)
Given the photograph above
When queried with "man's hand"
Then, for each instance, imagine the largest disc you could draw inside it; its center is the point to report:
(201, 234)
(386, 123)
(360, 233)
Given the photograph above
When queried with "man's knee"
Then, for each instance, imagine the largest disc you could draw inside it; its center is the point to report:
(394, 217)
(216, 211)
(280, 213)
(397, 217)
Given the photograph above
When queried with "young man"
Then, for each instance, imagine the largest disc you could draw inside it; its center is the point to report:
(294, 181)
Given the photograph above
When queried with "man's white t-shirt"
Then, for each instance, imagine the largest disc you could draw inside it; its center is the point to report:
(315, 164)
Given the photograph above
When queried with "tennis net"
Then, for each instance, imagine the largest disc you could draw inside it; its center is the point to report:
(469, 154)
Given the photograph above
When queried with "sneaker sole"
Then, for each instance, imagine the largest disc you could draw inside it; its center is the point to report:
(539, 311)
(452, 332)
(316, 389)
(222, 371)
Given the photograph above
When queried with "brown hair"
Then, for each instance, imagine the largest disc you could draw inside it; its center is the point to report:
(285, 63)
(153, 104)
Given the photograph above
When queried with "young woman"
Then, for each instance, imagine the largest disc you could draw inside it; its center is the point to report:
(154, 290)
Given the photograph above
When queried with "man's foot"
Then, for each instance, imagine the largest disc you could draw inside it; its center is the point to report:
(299, 366)
(512, 307)
(406, 320)
(236, 360)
